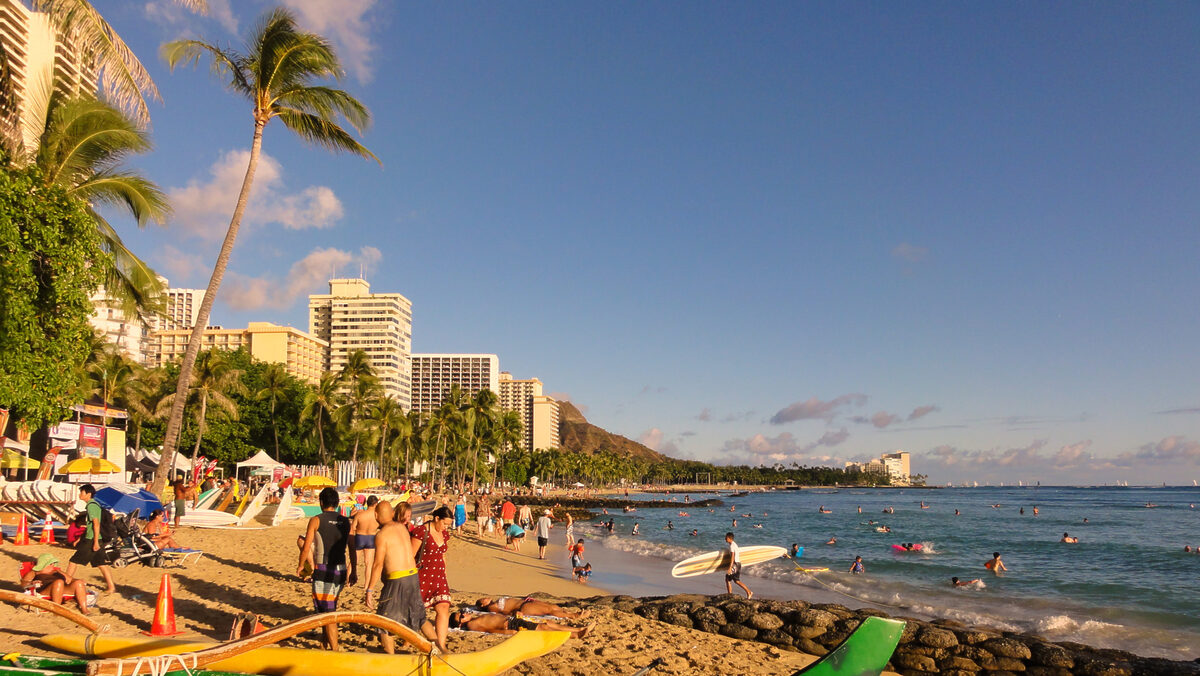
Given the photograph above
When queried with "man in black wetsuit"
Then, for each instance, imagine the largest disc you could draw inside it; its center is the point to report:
(325, 548)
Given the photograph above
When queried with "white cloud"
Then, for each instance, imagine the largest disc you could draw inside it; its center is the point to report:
(910, 253)
(181, 267)
(203, 208)
(242, 292)
(784, 448)
(345, 23)
(173, 15)
(815, 409)
(651, 438)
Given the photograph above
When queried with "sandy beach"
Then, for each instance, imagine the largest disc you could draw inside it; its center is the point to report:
(254, 571)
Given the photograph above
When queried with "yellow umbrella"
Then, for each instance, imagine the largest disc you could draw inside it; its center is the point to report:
(89, 466)
(14, 460)
(315, 481)
(364, 484)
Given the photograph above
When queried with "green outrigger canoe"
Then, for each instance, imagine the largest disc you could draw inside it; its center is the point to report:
(15, 664)
(864, 653)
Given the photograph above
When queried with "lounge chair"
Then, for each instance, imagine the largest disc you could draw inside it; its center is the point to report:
(180, 556)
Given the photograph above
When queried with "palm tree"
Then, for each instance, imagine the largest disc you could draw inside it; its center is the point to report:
(507, 434)
(356, 403)
(275, 384)
(483, 405)
(319, 404)
(384, 416)
(122, 77)
(277, 74)
(216, 379)
(145, 401)
(80, 145)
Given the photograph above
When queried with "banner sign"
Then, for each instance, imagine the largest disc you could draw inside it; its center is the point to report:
(91, 441)
(65, 430)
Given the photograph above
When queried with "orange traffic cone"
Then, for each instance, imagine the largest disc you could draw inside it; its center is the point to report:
(22, 532)
(47, 537)
(164, 611)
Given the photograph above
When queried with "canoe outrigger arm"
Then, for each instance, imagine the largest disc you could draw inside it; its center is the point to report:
(161, 664)
(56, 608)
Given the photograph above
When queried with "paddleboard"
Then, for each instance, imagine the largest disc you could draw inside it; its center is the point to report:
(423, 508)
(284, 510)
(256, 505)
(207, 518)
(207, 498)
(718, 561)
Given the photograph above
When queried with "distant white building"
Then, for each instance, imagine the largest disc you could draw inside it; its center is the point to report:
(434, 374)
(895, 466)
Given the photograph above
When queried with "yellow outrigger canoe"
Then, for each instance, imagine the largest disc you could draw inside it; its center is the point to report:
(255, 655)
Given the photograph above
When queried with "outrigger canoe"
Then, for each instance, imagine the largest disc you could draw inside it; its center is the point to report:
(257, 655)
(865, 652)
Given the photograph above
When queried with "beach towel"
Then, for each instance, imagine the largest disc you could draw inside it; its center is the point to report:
(460, 515)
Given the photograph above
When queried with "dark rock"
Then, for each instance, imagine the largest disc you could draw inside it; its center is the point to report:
(775, 637)
(815, 617)
(710, 614)
(1050, 655)
(911, 627)
(848, 624)
(833, 637)
(764, 621)
(811, 647)
(958, 672)
(1010, 664)
(972, 636)
(1087, 666)
(804, 631)
(687, 598)
(871, 612)
(840, 611)
(626, 607)
(927, 651)
(1038, 670)
(737, 612)
(937, 638)
(775, 607)
(710, 627)
(949, 624)
(952, 662)
(908, 661)
(648, 611)
(1006, 647)
(678, 619)
(740, 631)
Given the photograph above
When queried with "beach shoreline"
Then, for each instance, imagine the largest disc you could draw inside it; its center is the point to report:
(254, 571)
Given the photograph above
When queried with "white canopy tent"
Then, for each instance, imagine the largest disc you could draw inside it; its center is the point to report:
(260, 459)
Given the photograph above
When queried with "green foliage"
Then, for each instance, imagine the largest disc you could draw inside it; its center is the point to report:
(51, 262)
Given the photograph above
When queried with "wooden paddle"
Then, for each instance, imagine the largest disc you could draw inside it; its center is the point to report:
(224, 651)
(60, 610)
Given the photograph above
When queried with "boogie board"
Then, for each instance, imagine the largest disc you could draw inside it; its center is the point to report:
(916, 548)
(713, 562)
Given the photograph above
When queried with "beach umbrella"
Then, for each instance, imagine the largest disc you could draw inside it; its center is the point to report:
(89, 466)
(364, 484)
(578, 485)
(315, 481)
(125, 499)
(14, 460)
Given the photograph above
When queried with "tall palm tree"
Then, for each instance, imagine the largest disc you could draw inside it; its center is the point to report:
(483, 405)
(216, 380)
(507, 434)
(385, 415)
(275, 384)
(319, 405)
(356, 403)
(278, 74)
(145, 401)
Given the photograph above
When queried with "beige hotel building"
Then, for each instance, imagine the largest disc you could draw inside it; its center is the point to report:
(302, 355)
(434, 374)
(539, 413)
(351, 318)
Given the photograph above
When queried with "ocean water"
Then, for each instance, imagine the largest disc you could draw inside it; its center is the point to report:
(1127, 584)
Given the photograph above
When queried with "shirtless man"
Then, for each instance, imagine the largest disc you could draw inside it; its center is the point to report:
(526, 606)
(995, 564)
(395, 563)
(363, 527)
(495, 623)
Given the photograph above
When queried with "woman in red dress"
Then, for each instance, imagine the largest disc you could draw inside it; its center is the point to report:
(435, 591)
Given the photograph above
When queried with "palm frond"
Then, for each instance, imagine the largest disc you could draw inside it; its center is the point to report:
(321, 132)
(142, 197)
(326, 102)
(84, 136)
(127, 278)
(123, 78)
(224, 64)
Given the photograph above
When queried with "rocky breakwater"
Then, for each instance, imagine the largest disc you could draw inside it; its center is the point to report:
(593, 503)
(938, 647)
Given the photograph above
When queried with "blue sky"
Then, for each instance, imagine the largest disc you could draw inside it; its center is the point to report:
(766, 232)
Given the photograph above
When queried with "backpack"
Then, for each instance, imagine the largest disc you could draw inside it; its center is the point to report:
(108, 530)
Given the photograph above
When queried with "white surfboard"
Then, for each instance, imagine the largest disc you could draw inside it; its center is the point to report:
(718, 561)
(283, 511)
(207, 518)
(256, 505)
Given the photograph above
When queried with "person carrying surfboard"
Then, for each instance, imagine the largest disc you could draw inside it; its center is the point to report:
(734, 574)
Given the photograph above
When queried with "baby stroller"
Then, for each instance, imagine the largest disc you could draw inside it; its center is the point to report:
(132, 545)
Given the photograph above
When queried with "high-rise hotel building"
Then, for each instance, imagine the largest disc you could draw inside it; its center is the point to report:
(352, 318)
(434, 374)
(539, 413)
(32, 51)
(300, 354)
(182, 308)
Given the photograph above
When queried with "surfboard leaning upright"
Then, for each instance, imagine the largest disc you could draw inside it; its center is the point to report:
(718, 561)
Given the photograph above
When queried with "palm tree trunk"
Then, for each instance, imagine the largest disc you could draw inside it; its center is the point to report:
(200, 429)
(321, 437)
(275, 427)
(175, 422)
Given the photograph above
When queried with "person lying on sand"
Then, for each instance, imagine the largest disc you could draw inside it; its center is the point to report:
(526, 606)
(495, 623)
(45, 575)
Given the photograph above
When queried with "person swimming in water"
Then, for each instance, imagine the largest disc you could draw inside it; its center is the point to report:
(857, 567)
(795, 551)
(1068, 538)
(964, 583)
(832, 540)
(956, 512)
(995, 564)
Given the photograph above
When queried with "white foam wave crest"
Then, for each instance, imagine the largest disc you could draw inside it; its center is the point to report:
(657, 550)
